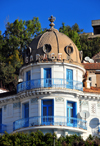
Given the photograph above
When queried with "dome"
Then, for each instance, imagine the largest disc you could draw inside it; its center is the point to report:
(55, 43)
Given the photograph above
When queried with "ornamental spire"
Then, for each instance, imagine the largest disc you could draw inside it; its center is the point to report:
(52, 19)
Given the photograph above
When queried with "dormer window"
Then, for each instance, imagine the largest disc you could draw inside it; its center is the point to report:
(47, 48)
(68, 50)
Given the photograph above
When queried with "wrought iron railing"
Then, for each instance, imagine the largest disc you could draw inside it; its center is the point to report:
(3, 128)
(50, 120)
(45, 83)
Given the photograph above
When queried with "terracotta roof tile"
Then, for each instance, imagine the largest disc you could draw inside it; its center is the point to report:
(92, 90)
(90, 66)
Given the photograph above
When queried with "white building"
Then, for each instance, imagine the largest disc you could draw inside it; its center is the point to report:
(50, 94)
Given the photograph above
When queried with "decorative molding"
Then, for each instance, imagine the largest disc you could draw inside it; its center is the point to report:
(59, 99)
(27, 93)
(17, 105)
(33, 100)
(84, 103)
(93, 108)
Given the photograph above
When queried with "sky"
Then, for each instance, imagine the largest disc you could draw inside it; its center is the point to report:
(70, 12)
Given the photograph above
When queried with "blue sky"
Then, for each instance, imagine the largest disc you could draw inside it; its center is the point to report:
(67, 11)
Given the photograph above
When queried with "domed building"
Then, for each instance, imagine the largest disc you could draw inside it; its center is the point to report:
(50, 94)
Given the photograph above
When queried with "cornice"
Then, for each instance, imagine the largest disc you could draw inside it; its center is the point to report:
(29, 93)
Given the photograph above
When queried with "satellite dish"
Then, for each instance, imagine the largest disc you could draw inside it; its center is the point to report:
(87, 58)
(20, 80)
(91, 61)
(84, 114)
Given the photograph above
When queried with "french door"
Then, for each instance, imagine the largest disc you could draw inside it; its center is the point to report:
(26, 114)
(47, 77)
(47, 112)
(28, 78)
(69, 78)
(71, 114)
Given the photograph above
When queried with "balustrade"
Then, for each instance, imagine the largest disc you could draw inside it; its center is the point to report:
(49, 82)
(50, 120)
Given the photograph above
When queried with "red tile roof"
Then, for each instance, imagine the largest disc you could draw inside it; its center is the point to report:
(90, 66)
(92, 90)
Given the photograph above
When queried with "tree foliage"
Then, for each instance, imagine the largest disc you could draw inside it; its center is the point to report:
(72, 33)
(39, 139)
(90, 47)
(13, 43)
(18, 36)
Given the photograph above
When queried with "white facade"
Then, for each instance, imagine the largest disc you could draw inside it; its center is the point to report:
(12, 106)
(50, 94)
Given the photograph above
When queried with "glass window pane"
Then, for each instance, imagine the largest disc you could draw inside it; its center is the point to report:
(71, 112)
(26, 110)
(49, 102)
(44, 111)
(50, 111)
(70, 104)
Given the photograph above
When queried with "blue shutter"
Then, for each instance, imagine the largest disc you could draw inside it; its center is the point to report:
(28, 75)
(75, 114)
(47, 77)
(26, 110)
(69, 78)
(28, 78)
(26, 114)
(47, 73)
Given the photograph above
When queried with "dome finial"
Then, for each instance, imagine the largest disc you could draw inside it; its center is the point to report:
(51, 19)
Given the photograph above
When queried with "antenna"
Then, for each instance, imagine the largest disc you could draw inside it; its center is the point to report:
(84, 114)
(87, 58)
(91, 61)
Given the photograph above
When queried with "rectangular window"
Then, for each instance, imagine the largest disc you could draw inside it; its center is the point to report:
(28, 75)
(69, 78)
(26, 114)
(47, 77)
(90, 79)
(28, 78)
(47, 112)
(71, 114)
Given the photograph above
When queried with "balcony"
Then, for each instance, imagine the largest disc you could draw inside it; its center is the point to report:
(50, 83)
(50, 121)
(3, 128)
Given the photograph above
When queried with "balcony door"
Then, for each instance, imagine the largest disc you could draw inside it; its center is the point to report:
(71, 114)
(69, 78)
(28, 78)
(47, 112)
(47, 77)
(26, 114)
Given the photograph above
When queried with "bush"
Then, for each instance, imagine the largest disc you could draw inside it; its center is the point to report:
(39, 139)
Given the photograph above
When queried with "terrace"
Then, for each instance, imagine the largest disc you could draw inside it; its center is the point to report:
(49, 83)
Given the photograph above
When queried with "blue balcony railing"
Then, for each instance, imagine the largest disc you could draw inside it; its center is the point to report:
(45, 83)
(50, 120)
(3, 128)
